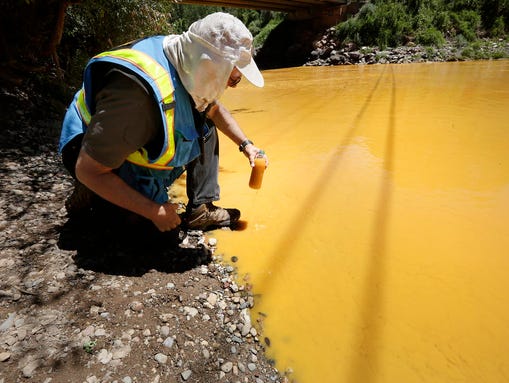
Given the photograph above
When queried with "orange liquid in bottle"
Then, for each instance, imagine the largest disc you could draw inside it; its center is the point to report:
(255, 182)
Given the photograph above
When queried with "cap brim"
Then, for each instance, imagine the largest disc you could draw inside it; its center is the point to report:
(252, 74)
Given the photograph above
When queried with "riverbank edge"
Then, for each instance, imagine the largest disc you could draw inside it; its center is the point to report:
(329, 51)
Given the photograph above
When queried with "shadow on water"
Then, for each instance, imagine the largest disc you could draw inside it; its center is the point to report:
(369, 337)
(106, 244)
(284, 249)
(371, 306)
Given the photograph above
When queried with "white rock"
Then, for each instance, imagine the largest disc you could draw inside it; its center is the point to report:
(164, 330)
(100, 332)
(121, 352)
(8, 323)
(104, 356)
(4, 356)
(168, 342)
(245, 317)
(186, 374)
(136, 306)
(212, 299)
(246, 328)
(29, 368)
(227, 367)
(212, 241)
(161, 358)
(191, 311)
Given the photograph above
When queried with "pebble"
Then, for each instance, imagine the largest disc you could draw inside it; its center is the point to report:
(121, 352)
(212, 241)
(4, 356)
(186, 374)
(161, 358)
(191, 311)
(168, 342)
(30, 367)
(227, 367)
(104, 356)
(164, 331)
(8, 323)
(212, 299)
(136, 306)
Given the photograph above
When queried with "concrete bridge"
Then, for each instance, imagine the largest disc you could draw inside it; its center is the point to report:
(334, 10)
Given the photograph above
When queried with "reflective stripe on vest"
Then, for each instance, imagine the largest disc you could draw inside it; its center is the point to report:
(163, 86)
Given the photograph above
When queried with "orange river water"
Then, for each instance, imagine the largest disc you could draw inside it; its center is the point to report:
(378, 244)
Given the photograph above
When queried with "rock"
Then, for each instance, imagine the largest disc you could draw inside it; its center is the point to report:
(100, 332)
(191, 311)
(168, 342)
(227, 367)
(246, 329)
(164, 331)
(161, 358)
(186, 374)
(104, 356)
(121, 352)
(136, 306)
(212, 299)
(8, 323)
(4, 356)
(30, 367)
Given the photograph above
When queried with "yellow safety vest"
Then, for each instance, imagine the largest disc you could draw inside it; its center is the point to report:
(157, 75)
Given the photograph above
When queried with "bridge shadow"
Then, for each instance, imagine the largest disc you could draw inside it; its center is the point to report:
(368, 341)
(110, 244)
(283, 251)
(365, 348)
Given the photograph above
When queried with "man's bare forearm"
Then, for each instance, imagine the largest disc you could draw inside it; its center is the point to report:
(102, 181)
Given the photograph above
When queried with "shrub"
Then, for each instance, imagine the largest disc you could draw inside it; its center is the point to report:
(498, 28)
(430, 36)
(466, 23)
(380, 23)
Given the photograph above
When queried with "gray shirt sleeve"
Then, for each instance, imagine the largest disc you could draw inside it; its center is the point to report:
(126, 119)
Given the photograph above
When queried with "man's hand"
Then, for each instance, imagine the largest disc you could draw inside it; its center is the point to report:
(166, 218)
(105, 183)
(251, 152)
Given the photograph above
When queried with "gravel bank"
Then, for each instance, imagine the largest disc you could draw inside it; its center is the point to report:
(328, 51)
(98, 300)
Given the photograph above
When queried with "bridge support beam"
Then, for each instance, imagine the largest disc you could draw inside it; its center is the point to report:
(329, 15)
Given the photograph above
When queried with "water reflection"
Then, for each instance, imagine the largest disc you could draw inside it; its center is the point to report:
(376, 242)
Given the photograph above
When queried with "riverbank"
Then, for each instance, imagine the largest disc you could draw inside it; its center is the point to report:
(328, 51)
(99, 301)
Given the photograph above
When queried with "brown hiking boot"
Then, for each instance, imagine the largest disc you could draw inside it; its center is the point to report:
(207, 217)
(80, 201)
